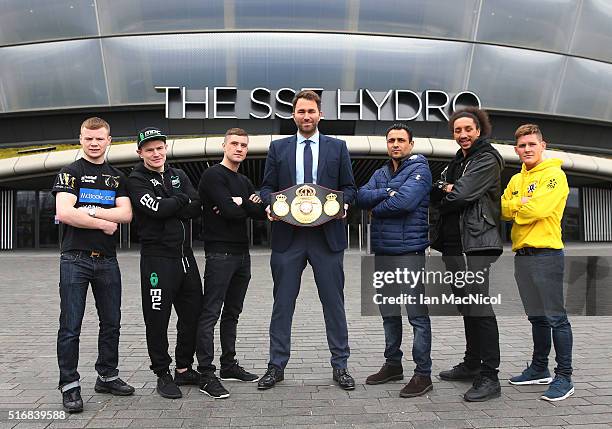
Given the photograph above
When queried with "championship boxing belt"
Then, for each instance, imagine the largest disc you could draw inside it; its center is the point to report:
(307, 204)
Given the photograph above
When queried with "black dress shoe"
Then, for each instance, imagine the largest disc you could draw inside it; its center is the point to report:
(72, 401)
(272, 376)
(117, 387)
(344, 379)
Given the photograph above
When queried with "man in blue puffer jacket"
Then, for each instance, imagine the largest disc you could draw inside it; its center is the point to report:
(398, 197)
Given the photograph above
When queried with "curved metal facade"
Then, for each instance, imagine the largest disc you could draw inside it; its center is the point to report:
(550, 57)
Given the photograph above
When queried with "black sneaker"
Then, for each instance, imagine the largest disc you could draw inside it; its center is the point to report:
(210, 384)
(237, 373)
(72, 401)
(167, 388)
(187, 378)
(117, 387)
(459, 372)
(483, 389)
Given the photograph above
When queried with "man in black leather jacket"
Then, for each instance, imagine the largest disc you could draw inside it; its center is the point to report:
(469, 207)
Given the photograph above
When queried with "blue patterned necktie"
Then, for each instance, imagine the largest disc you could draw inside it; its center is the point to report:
(307, 162)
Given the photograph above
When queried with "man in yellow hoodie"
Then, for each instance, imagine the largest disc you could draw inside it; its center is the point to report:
(535, 199)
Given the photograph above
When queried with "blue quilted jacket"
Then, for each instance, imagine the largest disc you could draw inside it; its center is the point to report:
(399, 223)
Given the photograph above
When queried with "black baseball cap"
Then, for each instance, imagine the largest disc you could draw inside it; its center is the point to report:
(148, 134)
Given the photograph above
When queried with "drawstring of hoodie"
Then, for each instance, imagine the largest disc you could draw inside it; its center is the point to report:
(185, 263)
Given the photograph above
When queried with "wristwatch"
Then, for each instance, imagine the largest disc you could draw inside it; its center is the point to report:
(91, 211)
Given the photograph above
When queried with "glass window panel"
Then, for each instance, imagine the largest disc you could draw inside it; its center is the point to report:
(48, 230)
(32, 20)
(53, 75)
(544, 24)
(441, 18)
(25, 219)
(515, 79)
(146, 16)
(586, 90)
(593, 38)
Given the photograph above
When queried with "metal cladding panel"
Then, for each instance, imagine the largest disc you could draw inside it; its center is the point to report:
(586, 90)
(505, 78)
(52, 75)
(23, 21)
(545, 24)
(593, 36)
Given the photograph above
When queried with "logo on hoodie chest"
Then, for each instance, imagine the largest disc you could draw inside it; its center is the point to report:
(155, 182)
(532, 187)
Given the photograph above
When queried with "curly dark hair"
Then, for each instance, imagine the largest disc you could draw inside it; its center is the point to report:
(480, 117)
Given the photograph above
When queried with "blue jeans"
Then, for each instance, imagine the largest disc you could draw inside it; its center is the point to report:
(421, 344)
(539, 276)
(418, 315)
(77, 271)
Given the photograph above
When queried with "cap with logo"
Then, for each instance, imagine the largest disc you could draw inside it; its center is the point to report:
(148, 134)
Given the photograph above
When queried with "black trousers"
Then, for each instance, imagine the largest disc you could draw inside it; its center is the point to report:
(480, 324)
(165, 282)
(226, 279)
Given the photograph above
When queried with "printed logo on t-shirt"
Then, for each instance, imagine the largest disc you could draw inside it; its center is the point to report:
(89, 179)
(98, 196)
(65, 180)
(111, 181)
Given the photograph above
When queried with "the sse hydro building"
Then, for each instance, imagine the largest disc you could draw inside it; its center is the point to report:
(196, 68)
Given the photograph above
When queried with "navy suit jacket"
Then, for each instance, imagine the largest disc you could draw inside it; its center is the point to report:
(334, 171)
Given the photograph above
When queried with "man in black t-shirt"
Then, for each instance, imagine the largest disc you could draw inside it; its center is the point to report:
(90, 200)
(228, 199)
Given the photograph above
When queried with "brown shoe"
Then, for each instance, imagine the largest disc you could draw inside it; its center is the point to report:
(386, 373)
(418, 385)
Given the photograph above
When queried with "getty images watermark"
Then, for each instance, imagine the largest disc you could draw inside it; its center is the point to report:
(480, 286)
(403, 277)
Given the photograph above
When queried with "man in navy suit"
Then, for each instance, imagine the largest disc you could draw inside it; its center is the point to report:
(308, 157)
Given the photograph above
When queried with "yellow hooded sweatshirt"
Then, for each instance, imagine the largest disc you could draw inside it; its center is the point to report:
(537, 223)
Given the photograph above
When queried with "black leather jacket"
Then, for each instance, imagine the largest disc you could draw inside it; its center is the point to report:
(476, 197)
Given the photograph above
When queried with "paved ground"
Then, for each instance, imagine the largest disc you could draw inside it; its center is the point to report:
(28, 368)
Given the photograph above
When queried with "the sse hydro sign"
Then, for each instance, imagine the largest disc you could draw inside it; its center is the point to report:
(364, 105)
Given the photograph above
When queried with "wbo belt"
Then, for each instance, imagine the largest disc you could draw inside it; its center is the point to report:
(533, 250)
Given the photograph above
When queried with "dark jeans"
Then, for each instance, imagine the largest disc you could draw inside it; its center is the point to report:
(539, 276)
(77, 271)
(226, 279)
(480, 324)
(417, 315)
(165, 282)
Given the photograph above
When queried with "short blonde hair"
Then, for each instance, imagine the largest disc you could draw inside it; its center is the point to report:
(95, 123)
(526, 130)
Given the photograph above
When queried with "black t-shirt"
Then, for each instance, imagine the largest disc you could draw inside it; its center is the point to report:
(93, 185)
(227, 231)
